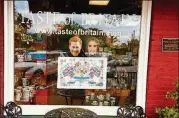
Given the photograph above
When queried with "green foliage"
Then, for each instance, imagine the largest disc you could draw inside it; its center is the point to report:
(114, 53)
(167, 112)
(63, 38)
(170, 112)
(174, 95)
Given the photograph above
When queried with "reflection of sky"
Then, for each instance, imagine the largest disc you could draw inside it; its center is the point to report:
(22, 6)
(46, 21)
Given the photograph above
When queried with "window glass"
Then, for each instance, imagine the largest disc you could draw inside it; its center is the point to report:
(47, 30)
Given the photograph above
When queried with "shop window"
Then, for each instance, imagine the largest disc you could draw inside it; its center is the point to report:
(105, 40)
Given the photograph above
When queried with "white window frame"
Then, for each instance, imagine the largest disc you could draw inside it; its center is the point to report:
(42, 109)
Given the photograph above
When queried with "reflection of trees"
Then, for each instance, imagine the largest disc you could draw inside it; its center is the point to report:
(113, 20)
(21, 25)
(39, 42)
(114, 41)
(63, 39)
(123, 45)
(60, 41)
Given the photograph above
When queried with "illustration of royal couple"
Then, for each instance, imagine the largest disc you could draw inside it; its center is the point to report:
(76, 50)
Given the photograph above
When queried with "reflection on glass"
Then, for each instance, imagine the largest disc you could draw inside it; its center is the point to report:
(45, 31)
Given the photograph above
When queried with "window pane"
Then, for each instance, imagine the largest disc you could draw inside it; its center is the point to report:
(43, 29)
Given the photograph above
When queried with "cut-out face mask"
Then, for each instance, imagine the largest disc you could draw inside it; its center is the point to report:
(75, 48)
(92, 47)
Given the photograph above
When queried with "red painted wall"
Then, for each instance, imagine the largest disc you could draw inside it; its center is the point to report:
(1, 52)
(162, 66)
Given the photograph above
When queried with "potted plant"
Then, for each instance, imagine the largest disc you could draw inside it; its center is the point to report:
(173, 111)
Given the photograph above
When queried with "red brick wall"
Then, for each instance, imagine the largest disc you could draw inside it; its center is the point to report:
(1, 52)
(162, 66)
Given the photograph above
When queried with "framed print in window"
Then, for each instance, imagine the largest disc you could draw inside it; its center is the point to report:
(36, 37)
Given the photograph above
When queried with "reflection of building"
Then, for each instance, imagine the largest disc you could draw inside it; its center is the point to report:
(133, 45)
